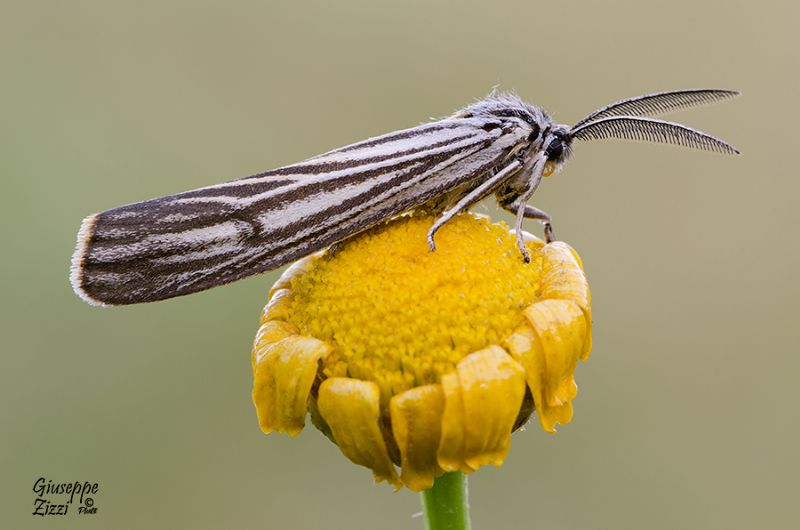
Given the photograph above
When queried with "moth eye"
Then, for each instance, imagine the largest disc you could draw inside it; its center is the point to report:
(554, 149)
(549, 168)
(534, 133)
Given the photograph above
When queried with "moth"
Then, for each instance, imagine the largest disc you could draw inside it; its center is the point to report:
(184, 243)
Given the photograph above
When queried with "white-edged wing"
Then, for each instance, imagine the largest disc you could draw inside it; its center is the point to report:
(184, 243)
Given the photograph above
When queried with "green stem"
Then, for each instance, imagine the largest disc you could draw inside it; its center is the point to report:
(446, 505)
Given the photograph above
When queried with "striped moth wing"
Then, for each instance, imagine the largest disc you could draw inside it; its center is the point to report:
(184, 243)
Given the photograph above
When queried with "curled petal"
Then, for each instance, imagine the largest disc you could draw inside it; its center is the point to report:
(561, 329)
(351, 408)
(417, 425)
(283, 376)
(297, 268)
(563, 279)
(549, 348)
(279, 306)
(268, 334)
(482, 401)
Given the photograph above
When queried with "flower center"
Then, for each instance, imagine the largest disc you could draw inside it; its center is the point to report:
(400, 315)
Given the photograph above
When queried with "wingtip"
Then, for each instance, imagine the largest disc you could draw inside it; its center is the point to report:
(76, 272)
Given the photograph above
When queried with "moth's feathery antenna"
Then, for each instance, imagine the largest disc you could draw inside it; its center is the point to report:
(653, 130)
(659, 103)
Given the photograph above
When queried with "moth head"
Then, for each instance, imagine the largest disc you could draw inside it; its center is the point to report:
(557, 146)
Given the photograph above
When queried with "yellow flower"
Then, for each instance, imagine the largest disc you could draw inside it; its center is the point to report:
(418, 359)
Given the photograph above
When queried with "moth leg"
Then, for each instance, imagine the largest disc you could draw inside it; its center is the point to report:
(540, 215)
(518, 207)
(473, 196)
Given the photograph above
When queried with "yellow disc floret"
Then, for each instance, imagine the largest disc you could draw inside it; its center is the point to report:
(389, 323)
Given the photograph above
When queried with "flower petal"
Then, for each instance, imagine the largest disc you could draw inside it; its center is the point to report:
(482, 401)
(549, 349)
(268, 334)
(295, 269)
(283, 375)
(278, 307)
(352, 409)
(417, 424)
(563, 279)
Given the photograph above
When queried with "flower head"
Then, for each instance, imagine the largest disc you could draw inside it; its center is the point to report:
(423, 360)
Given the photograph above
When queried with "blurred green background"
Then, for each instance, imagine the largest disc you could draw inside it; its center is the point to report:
(686, 412)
